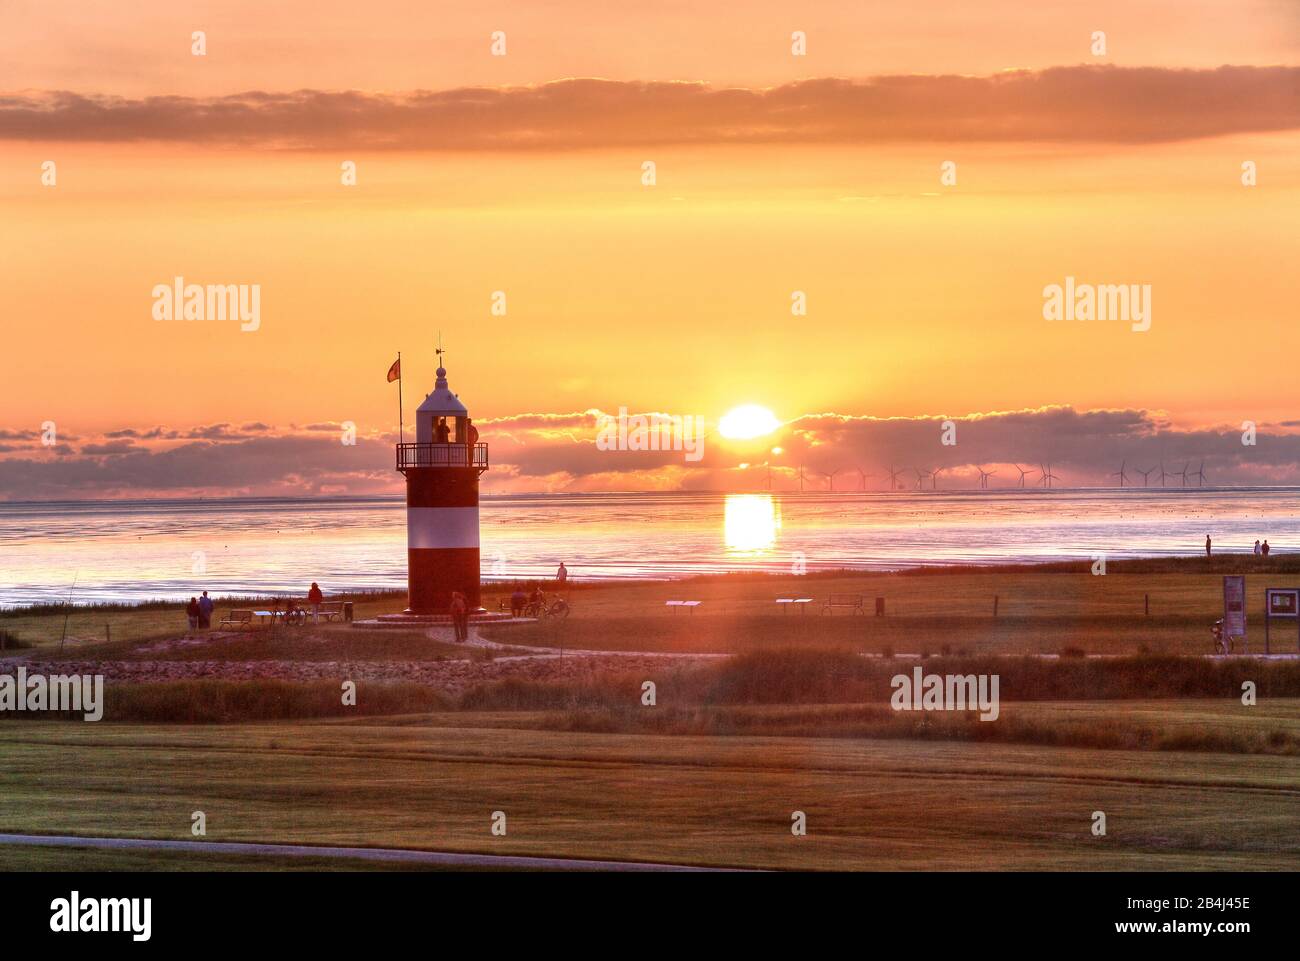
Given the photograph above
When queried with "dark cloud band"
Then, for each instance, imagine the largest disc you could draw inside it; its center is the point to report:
(1061, 104)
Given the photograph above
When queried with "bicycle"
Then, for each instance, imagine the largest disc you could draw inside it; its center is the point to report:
(1222, 645)
(553, 607)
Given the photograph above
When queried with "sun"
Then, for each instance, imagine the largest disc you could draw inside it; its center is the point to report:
(747, 422)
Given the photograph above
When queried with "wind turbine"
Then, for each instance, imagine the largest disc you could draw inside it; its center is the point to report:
(1023, 472)
(1146, 474)
(1162, 473)
(1182, 473)
(920, 478)
(1123, 477)
(893, 477)
(830, 478)
(934, 477)
(1048, 476)
(801, 478)
(984, 477)
(1199, 474)
(862, 478)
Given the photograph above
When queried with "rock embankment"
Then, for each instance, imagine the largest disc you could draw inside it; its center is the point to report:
(451, 676)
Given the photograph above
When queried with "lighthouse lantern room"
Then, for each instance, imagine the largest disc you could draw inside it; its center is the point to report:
(442, 469)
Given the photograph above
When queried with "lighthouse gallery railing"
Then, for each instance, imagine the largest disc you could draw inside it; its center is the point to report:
(442, 455)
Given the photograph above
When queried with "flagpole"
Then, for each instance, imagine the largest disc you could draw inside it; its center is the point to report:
(401, 428)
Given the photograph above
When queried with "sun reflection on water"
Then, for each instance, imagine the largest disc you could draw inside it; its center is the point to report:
(750, 523)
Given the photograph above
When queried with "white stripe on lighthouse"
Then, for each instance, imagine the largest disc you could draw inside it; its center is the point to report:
(438, 527)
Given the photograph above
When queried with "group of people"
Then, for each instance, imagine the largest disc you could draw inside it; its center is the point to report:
(1261, 547)
(520, 599)
(199, 609)
(442, 432)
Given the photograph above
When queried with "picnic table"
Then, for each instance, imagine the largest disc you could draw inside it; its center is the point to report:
(800, 602)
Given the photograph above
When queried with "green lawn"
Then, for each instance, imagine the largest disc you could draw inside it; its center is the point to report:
(1043, 610)
(433, 782)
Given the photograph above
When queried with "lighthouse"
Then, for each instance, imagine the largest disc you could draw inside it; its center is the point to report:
(442, 469)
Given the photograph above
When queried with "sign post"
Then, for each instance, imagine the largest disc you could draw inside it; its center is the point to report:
(1280, 602)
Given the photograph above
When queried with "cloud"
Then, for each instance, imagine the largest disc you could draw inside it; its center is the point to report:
(558, 452)
(135, 433)
(1132, 105)
(111, 447)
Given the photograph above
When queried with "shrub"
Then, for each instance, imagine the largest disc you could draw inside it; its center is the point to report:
(9, 641)
(215, 702)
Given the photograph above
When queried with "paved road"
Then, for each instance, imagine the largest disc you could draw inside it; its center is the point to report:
(438, 858)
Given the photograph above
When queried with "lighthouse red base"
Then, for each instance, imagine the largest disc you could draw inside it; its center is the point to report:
(442, 535)
(433, 574)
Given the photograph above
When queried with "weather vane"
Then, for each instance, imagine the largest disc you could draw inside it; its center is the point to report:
(440, 351)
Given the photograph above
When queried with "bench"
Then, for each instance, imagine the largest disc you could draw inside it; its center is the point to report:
(800, 602)
(331, 610)
(237, 621)
(676, 605)
(852, 602)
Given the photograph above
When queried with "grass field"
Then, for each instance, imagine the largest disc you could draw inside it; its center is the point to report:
(1043, 609)
(1039, 611)
(1187, 776)
(884, 805)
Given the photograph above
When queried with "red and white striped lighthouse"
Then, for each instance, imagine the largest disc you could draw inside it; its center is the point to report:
(442, 469)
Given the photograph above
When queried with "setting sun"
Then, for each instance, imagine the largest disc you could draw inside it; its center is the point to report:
(747, 422)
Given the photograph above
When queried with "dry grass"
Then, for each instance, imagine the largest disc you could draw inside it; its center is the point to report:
(432, 782)
(695, 698)
(803, 676)
(1042, 609)
(1106, 728)
(223, 702)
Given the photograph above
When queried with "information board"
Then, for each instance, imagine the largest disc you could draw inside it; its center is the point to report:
(1234, 605)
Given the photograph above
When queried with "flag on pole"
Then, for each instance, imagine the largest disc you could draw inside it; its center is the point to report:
(395, 374)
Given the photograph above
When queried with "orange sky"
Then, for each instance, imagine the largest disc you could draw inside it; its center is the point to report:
(919, 300)
(98, 45)
(922, 299)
